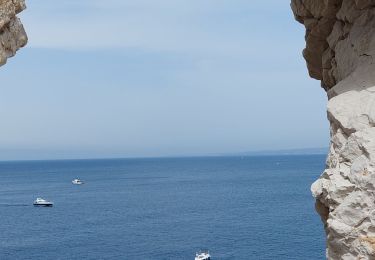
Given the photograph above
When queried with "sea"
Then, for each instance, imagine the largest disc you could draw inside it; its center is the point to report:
(239, 207)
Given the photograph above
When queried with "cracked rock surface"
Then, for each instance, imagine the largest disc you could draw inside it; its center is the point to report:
(340, 51)
(12, 33)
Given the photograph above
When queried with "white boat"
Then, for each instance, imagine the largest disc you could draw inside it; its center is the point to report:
(77, 182)
(202, 255)
(43, 203)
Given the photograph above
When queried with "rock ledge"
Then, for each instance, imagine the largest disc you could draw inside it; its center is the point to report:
(12, 33)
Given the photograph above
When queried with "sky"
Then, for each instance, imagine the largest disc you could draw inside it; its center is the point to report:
(145, 78)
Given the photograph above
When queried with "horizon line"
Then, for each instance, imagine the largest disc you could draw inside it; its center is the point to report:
(256, 153)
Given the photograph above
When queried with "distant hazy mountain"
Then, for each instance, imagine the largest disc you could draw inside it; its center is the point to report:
(303, 151)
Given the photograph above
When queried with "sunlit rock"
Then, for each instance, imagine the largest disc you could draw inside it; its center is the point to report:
(340, 48)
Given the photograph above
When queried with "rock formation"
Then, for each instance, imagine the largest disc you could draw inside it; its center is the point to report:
(12, 33)
(340, 51)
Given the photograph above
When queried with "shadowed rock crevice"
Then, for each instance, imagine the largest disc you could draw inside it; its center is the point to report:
(12, 33)
(340, 46)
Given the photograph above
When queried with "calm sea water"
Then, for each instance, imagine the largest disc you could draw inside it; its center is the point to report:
(238, 208)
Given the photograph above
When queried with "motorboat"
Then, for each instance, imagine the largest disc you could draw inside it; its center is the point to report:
(43, 203)
(203, 255)
(77, 182)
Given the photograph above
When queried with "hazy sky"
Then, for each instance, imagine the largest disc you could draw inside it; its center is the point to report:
(120, 78)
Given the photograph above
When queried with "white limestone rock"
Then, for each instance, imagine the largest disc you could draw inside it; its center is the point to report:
(341, 54)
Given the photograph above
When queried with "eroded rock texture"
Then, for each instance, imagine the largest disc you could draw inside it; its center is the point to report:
(12, 33)
(340, 51)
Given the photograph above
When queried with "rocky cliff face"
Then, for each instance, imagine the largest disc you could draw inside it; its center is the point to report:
(12, 33)
(340, 51)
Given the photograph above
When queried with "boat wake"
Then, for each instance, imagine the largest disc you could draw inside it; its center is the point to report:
(14, 205)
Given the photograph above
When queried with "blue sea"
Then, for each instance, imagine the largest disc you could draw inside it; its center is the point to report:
(257, 207)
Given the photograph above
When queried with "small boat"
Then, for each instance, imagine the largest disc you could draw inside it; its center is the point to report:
(77, 182)
(203, 255)
(43, 203)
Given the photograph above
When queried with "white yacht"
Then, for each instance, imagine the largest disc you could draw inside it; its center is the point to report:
(203, 255)
(43, 203)
(77, 182)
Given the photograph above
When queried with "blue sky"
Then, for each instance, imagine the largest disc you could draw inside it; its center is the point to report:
(121, 78)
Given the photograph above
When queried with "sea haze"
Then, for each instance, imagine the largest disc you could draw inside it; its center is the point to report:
(252, 207)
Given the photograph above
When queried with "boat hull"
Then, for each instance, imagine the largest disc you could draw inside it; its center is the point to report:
(43, 204)
(77, 182)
